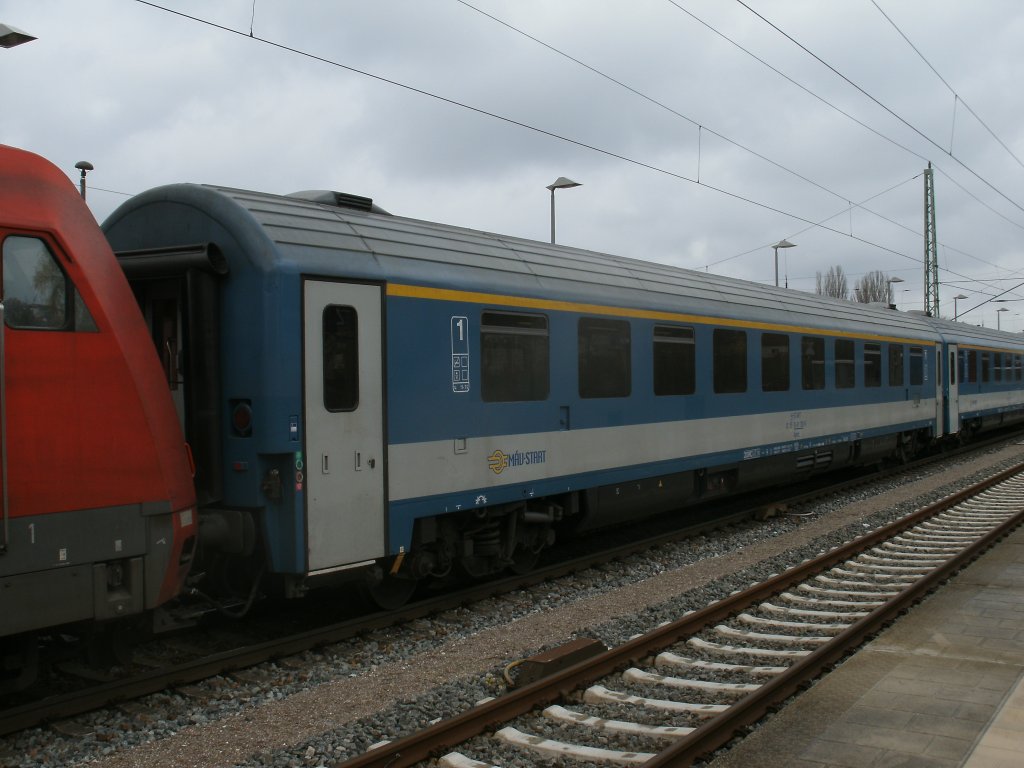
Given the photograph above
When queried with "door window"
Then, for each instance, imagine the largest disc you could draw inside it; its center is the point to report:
(341, 358)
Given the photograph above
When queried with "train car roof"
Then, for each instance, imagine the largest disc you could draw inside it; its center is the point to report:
(271, 233)
(977, 335)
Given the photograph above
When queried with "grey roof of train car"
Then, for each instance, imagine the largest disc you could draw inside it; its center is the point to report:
(308, 237)
(966, 333)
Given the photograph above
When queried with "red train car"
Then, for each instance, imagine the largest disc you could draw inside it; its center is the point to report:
(98, 518)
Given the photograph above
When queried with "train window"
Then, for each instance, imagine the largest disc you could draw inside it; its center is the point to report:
(895, 365)
(916, 366)
(774, 362)
(845, 368)
(1017, 367)
(675, 360)
(986, 367)
(36, 290)
(872, 365)
(604, 357)
(952, 368)
(812, 362)
(972, 367)
(514, 359)
(730, 361)
(997, 366)
(341, 358)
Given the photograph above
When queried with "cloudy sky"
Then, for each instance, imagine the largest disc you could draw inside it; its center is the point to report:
(701, 132)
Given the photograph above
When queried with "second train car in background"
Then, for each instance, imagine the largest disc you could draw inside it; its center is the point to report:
(368, 395)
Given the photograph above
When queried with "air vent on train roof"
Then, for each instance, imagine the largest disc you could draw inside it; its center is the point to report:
(340, 199)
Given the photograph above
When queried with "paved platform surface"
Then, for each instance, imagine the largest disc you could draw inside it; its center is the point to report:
(944, 686)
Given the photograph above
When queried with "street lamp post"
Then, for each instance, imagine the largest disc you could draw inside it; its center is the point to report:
(780, 244)
(560, 183)
(891, 281)
(999, 315)
(955, 300)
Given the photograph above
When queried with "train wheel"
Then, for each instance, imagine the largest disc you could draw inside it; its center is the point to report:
(524, 559)
(475, 568)
(906, 448)
(19, 663)
(109, 645)
(390, 592)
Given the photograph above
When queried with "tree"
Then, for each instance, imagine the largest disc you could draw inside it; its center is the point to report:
(873, 287)
(833, 284)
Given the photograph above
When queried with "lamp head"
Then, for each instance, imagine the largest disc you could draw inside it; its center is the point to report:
(12, 36)
(563, 183)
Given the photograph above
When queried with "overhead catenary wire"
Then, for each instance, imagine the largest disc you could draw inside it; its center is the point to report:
(700, 128)
(799, 85)
(646, 97)
(859, 122)
(523, 125)
(506, 119)
(888, 109)
(957, 98)
(838, 109)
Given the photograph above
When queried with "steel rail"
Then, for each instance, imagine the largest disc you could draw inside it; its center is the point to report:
(720, 730)
(77, 702)
(447, 734)
(97, 696)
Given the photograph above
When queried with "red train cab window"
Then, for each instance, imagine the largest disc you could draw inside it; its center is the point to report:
(37, 295)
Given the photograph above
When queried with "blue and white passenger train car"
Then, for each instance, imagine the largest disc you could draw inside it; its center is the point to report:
(984, 387)
(370, 393)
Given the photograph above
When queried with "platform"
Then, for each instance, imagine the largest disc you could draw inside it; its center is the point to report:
(944, 686)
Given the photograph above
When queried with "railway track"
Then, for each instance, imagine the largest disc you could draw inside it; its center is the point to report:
(677, 694)
(175, 675)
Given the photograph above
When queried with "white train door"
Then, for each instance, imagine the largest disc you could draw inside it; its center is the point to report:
(952, 390)
(345, 467)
